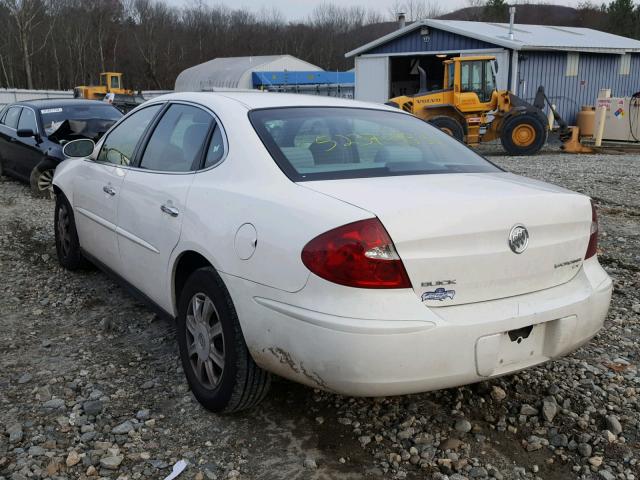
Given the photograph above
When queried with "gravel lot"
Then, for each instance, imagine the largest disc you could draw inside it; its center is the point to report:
(91, 386)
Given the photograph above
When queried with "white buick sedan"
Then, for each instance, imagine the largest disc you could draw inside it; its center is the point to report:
(347, 246)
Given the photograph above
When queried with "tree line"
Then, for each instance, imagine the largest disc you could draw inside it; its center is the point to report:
(59, 44)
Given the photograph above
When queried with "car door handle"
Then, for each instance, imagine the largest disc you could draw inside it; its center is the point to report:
(169, 210)
(108, 190)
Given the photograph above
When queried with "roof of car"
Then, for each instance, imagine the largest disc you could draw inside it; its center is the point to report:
(258, 99)
(57, 102)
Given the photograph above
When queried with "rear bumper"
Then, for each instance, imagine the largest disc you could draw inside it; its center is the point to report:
(421, 349)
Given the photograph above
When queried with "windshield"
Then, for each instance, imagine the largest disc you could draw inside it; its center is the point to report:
(98, 117)
(321, 143)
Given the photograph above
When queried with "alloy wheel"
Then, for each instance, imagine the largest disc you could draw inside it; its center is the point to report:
(205, 341)
(45, 181)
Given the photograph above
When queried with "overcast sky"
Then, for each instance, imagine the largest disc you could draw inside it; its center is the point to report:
(300, 9)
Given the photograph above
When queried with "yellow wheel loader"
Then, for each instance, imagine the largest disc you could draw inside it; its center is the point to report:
(110, 84)
(471, 109)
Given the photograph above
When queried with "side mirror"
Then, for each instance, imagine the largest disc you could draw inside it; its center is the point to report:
(26, 132)
(80, 148)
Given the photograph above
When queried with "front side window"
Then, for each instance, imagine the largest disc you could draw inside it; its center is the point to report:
(28, 120)
(477, 77)
(115, 82)
(452, 71)
(11, 119)
(471, 76)
(359, 143)
(120, 144)
(178, 140)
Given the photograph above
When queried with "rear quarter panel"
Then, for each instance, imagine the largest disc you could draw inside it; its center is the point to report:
(248, 187)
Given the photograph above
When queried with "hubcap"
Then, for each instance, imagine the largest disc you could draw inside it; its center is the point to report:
(523, 135)
(205, 343)
(45, 180)
(447, 130)
(64, 231)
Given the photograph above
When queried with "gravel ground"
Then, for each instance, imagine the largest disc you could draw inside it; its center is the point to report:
(91, 386)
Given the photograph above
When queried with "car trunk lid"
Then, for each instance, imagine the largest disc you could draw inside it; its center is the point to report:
(452, 231)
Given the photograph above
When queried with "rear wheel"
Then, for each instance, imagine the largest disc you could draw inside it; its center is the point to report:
(450, 126)
(42, 181)
(523, 135)
(218, 366)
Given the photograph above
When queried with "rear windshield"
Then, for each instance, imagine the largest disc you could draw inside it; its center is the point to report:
(326, 143)
(53, 117)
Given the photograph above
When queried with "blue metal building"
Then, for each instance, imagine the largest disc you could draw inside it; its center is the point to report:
(332, 84)
(573, 64)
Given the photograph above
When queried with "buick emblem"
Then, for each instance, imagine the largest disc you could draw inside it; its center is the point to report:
(518, 239)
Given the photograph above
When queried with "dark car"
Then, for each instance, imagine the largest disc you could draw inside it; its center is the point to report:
(33, 132)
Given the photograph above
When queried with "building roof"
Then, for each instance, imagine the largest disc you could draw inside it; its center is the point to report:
(525, 37)
(232, 72)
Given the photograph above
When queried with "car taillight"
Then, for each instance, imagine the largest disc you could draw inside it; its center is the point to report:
(359, 254)
(593, 238)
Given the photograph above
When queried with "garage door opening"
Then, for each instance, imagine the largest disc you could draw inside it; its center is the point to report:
(405, 76)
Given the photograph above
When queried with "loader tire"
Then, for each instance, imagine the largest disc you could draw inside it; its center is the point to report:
(523, 135)
(450, 126)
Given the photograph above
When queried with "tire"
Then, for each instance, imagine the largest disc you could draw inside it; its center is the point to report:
(218, 366)
(523, 134)
(67, 243)
(1, 169)
(41, 181)
(450, 126)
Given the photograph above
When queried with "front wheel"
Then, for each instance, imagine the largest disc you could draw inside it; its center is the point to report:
(67, 242)
(450, 126)
(41, 181)
(221, 373)
(523, 135)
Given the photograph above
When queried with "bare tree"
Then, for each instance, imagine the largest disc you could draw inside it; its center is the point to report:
(416, 9)
(26, 15)
(65, 43)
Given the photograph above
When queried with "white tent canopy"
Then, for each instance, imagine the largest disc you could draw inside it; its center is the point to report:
(235, 72)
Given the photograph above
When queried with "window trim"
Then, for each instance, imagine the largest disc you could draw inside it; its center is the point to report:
(149, 131)
(573, 64)
(197, 162)
(138, 158)
(19, 115)
(625, 64)
(116, 125)
(36, 116)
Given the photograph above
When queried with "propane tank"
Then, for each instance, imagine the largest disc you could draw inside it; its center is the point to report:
(587, 120)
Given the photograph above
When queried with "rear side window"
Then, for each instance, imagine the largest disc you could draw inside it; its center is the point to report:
(120, 144)
(215, 152)
(28, 120)
(11, 119)
(318, 143)
(177, 143)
